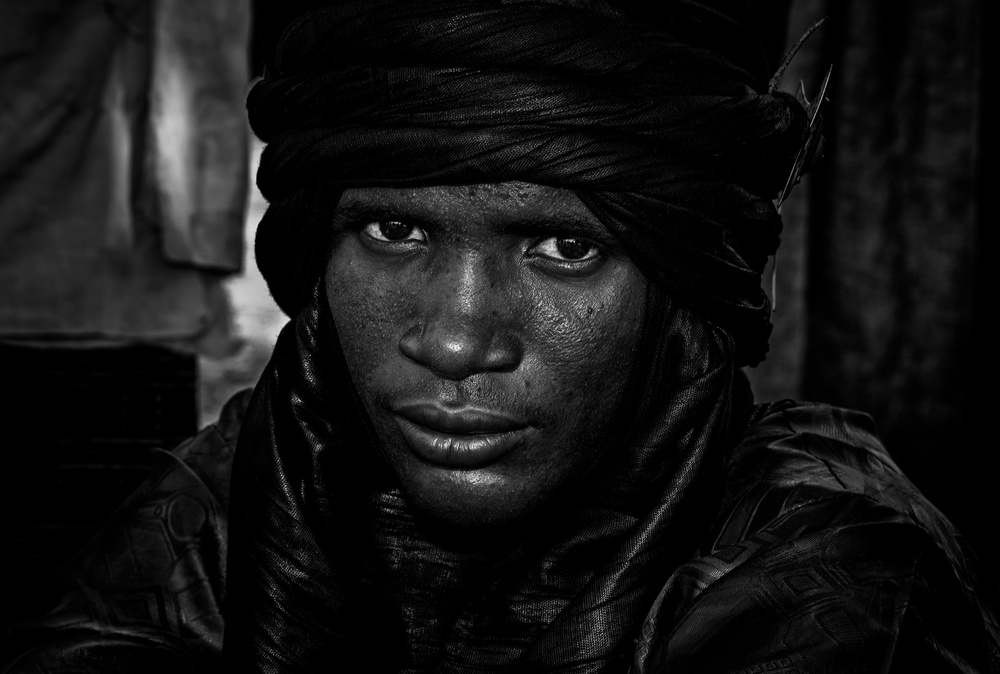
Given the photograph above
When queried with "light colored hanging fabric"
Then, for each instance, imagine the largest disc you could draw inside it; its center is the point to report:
(111, 119)
(197, 153)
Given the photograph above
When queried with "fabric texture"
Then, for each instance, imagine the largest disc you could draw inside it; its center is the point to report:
(123, 176)
(822, 557)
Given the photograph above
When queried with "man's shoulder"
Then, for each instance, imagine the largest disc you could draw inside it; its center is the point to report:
(804, 466)
(823, 557)
(794, 443)
(209, 453)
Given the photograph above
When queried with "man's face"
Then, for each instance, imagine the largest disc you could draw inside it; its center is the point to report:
(490, 331)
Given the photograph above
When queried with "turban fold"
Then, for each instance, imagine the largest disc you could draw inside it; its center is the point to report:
(662, 127)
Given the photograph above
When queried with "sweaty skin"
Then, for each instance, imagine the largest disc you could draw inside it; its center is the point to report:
(490, 331)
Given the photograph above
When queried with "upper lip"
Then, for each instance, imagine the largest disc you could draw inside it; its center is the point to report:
(463, 420)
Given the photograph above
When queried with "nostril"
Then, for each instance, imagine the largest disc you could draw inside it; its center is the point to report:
(459, 350)
(505, 352)
(409, 343)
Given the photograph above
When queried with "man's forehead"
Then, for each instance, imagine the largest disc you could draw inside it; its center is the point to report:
(512, 197)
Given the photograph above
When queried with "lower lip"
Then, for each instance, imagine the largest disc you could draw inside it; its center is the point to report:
(458, 450)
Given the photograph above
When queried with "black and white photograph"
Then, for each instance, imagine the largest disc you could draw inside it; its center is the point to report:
(498, 337)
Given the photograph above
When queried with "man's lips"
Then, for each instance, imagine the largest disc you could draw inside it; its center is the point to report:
(461, 438)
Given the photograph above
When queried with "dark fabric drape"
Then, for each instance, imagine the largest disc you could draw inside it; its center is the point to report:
(882, 291)
(822, 557)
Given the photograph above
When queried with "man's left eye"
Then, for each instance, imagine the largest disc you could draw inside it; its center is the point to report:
(566, 249)
(390, 231)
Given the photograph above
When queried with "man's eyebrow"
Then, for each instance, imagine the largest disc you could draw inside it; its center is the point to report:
(354, 210)
(573, 225)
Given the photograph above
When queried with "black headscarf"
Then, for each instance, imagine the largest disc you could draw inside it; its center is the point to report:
(660, 121)
(676, 151)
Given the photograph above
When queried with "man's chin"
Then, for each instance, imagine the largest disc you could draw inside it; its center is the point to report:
(472, 498)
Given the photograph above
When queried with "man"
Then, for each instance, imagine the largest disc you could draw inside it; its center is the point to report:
(523, 243)
(505, 430)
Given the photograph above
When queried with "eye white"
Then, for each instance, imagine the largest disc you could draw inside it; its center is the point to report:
(394, 231)
(566, 249)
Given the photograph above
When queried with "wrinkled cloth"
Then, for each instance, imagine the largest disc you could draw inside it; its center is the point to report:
(123, 176)
(665, 131)
(822, 558)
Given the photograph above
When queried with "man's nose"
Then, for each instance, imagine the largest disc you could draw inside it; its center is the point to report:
(465, 323)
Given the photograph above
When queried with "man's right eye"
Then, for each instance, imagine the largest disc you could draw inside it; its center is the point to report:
(393, 231)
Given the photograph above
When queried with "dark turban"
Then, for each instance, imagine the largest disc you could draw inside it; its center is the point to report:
(660, 122)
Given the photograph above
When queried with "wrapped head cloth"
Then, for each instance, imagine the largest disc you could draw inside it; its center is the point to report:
(660, 121)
